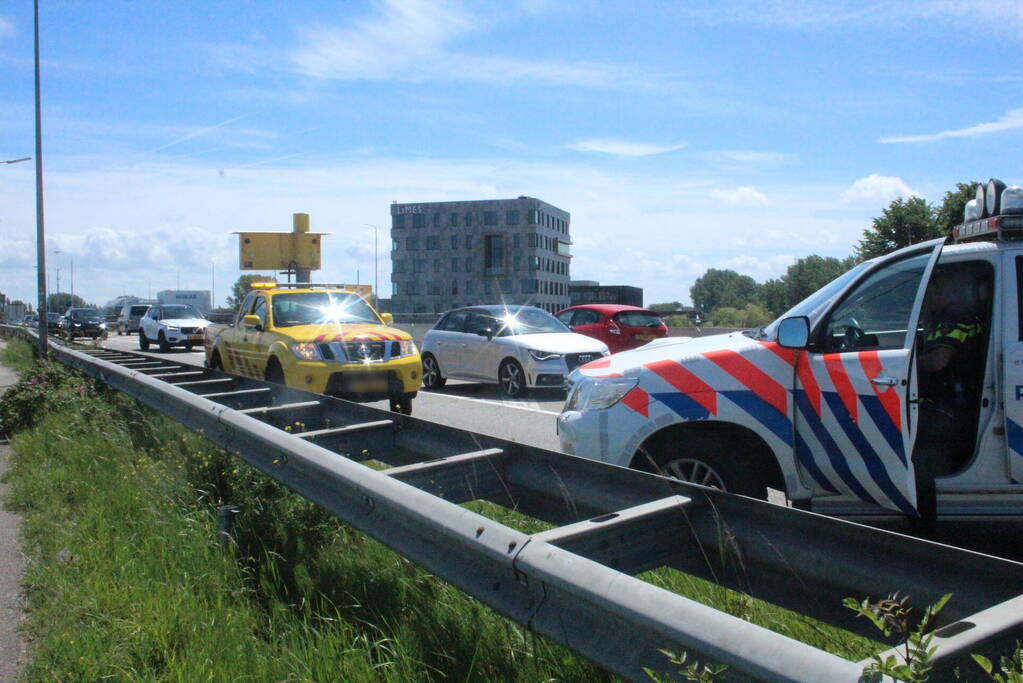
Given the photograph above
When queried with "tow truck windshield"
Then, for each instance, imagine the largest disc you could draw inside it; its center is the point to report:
(311, 308)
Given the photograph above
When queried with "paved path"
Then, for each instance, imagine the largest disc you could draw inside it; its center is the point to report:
(13, 646)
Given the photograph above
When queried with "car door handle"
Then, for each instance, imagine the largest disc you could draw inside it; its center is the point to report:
(885, 381)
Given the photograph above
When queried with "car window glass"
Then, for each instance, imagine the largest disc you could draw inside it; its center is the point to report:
(565, 317)
(639, 319)
(454, 321)
(259, 308)
(875, 314)
(245, 307)
(478, 322)
(585, 316)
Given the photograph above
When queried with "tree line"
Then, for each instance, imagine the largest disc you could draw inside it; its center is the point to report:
(724, 298)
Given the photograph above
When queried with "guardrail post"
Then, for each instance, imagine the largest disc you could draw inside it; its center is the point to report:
(225, 524)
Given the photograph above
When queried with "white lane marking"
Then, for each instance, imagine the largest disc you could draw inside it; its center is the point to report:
(493, 403)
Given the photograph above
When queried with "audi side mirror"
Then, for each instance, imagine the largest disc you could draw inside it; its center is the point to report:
(794, 333)
(488, 332)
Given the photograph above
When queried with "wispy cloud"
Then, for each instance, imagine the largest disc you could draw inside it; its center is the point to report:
(193, 134)
(877, 188)
(746, 195)
(1011, 120)
(415, 41)
(624, 148)
(6, 28)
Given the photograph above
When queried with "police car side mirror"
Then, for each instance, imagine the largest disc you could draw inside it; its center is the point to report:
(794, 333)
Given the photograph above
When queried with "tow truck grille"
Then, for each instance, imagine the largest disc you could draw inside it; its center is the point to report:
(360, 352)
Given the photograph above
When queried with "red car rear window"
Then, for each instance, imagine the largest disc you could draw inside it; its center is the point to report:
(639, 319)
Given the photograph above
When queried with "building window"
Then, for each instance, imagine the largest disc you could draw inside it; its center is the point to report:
(488, 287)
(418, 220)
(493, 254)
(454, 287)
(516, 241)
(436, 220)
(420, 307)
(468, 241)
(507, 286)
(528, 286)
(454, 220)
(411, 244)
(469, 287)
(395, 288)
(534, 263)
(454, 241)
(517, 261)
(394, 244)
(436, 265)
(455, 263)
(533, 217)
(398, 266)
(433, 242)
(534, 240)
(468, 219)
(398, 221)
(468, 264)
(434, 287)
(511, 217)
(489, 218)
(411, 288)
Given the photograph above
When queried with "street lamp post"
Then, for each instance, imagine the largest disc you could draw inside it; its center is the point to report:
(40, 233)
(376, 271)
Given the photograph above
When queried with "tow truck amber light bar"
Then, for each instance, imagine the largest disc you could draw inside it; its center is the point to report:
(301, 285)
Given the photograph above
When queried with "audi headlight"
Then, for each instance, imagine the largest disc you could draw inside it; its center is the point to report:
(599, 393)
(408, 348)
(306, 351)
(543, 355)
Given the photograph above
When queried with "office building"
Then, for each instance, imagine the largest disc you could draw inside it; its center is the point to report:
(450, 254)
(592, 292)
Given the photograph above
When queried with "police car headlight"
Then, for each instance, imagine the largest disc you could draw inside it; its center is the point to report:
(306, 351)
(408, 348)
(543, 355)
(599, 393)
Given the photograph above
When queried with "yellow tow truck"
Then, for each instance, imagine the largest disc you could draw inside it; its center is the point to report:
(318, 337)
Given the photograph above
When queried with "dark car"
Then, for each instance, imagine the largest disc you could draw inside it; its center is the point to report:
(83, 322)
(620, 327)
(53, 321)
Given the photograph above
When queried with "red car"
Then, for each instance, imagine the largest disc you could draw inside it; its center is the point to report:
(620, 327)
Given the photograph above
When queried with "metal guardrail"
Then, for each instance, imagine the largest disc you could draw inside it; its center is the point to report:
(575, 583)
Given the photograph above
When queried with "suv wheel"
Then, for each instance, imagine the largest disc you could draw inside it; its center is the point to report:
(164, 346)
(143, 340)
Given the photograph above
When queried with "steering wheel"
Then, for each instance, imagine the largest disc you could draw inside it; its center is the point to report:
(852, 336)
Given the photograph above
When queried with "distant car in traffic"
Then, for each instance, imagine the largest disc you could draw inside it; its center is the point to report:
(620, 327)
(518, 347)
(168, 325)
(82, 322)
(129, 317)
(53, 321)
(31, 320)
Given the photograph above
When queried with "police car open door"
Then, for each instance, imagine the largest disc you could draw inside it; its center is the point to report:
(856, 385)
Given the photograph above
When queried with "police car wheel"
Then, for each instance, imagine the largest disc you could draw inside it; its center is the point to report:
(708, 460)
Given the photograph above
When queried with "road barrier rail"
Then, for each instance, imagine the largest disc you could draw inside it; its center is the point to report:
(575, 583)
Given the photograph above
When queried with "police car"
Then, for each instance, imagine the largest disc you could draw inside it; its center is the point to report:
(828, 402)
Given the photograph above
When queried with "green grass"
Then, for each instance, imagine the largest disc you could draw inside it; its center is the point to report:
(18, 355)
(126, 578)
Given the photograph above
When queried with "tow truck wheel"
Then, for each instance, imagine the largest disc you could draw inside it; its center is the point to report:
(402, 404)
(143, 340)
(432, 378)
(709, 461)
(162, 341)
(274, 372)
(215, 362)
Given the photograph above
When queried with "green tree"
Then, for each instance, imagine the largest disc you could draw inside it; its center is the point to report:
(750, 315)
(242, 286)
(904, 222)
(950, 213)
(801, 279)
(58, 302)
(669, 307)
(717, 288)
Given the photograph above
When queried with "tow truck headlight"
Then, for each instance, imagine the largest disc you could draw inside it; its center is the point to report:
(543, 355)
(306, 351)
(599, 393)
(408, 348)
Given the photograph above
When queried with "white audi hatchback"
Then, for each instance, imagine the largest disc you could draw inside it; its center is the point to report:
(518, 347)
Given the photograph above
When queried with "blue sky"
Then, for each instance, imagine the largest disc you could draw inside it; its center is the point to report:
(680, 135)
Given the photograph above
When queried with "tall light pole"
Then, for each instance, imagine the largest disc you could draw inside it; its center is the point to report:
(71, 259)
(376, 272)
(40, 233)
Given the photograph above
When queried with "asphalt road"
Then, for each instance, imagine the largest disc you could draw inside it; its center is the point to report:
(466, 405)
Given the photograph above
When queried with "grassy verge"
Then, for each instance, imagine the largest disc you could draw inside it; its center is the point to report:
(126, 578)
(18, 355)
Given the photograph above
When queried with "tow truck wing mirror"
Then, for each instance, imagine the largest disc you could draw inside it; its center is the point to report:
(252, 322)
(388, 318)
(794, 333)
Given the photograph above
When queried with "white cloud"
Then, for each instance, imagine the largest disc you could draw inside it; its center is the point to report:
(6, 28)
(623, 148)
(745, 195)
(749, 157)
(877, 189)
(1010, 121)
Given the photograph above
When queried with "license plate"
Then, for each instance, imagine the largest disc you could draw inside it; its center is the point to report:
(195, 337)
(360, 386)
(644, 337)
